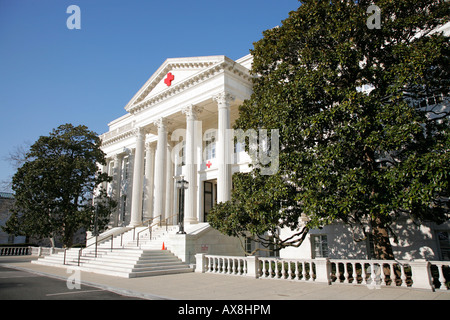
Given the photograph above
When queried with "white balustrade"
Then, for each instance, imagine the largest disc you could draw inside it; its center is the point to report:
(14, 251)
(288, 269)
(226, 265)
(372, 273)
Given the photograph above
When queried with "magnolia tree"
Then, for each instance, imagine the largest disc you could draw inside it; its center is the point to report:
(54, 186)
(360, 100)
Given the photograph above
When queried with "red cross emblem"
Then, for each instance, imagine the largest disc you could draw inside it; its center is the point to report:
(209, 164)
(169, 79)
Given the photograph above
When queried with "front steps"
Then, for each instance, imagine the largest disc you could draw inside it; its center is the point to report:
(129, 238)
(127, 260)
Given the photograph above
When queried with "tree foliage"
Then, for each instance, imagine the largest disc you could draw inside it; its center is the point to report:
(362, 157)
(54, 187)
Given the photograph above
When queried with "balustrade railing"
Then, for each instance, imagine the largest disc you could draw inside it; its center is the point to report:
(226, 265)
(15, 251)
(372, 273)
(289, 269)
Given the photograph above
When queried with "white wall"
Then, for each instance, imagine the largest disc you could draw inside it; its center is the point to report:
(204, 240)
(414, 242)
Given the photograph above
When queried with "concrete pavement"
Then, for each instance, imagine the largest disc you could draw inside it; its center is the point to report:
(24, 285)
(196, 286)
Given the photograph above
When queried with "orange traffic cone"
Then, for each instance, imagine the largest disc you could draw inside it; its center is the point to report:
(163, 248)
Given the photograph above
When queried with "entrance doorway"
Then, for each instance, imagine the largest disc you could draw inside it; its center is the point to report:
(209, 197)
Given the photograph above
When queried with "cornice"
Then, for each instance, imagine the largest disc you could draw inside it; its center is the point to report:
(114, 139)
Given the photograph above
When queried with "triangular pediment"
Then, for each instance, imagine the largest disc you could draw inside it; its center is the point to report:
(171, 73)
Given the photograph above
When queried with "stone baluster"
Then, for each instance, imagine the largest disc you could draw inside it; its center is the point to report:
(441, 276)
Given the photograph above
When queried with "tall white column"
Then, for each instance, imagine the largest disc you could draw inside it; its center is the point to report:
(149, 180)
(138, 177)
(199, 160)
(224, 148)
(160, 169)
(190, 203)
(169, 185)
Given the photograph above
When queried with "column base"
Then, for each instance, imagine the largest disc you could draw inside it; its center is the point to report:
(134, 224)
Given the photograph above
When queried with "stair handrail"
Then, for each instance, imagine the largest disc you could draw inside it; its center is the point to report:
(97, 241)
(96, 246)
(144, 222)
(166, 219)
(105, 238)
(150, 227)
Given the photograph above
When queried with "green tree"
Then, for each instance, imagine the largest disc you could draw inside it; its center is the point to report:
(55, 185)
(362, 157)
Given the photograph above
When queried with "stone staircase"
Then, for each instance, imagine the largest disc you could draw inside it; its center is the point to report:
(128, 258)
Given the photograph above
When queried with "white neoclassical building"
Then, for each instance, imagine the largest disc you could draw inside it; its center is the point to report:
(177, 127)
(174, 128)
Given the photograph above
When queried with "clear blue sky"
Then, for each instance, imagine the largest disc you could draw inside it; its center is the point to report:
(50, 75)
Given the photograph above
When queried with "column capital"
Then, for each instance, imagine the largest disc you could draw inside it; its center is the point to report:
(140, 131)
(126, 151)
(224, 99)
(191, 111)
(150, 145)
(117, 156)
(161, 123)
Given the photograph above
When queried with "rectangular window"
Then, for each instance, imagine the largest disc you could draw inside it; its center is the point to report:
(444, 245)
(207, 198)
(319, 246)
(210, 145)
(248, 245)
(124, 206)
(182, 155)
(125, 168)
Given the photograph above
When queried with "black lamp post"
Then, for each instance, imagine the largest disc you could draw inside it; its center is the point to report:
(182, 185)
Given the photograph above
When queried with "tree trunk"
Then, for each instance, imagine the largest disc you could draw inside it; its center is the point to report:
(52, 242)
(68, 238)
(381, 243)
